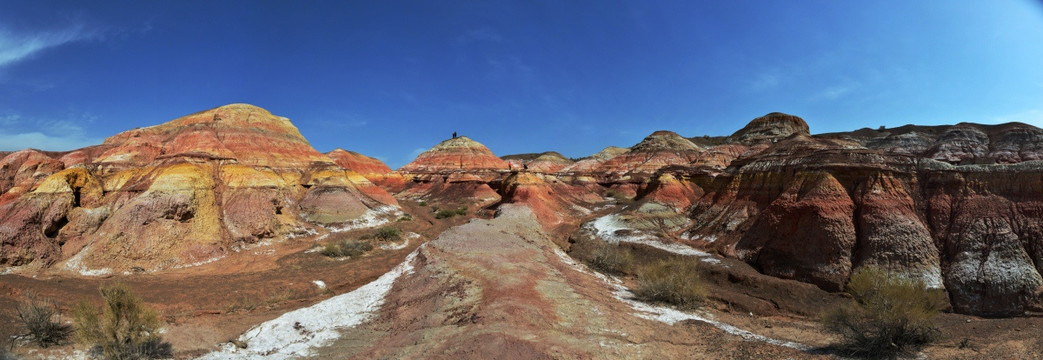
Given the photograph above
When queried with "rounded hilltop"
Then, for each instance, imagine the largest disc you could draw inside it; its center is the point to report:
(770, 128)
(245, 133)
(459, 153)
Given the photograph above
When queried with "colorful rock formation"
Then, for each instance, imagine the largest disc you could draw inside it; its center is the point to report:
(364, 165)
(958, 207)
(548, 162)
(590, 164)
(457, 172)
(183, 192)
(662, 148)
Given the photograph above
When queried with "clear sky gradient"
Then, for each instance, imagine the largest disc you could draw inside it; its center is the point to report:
(392, 78)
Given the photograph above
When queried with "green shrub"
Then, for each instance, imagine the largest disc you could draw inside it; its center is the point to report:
(39, 316)
(673, 281)
(388, 233)
(444, 214)
(423, 203)
(125, 329)
(612, 259)
(343, 248)
(405, 217)
(892, 315)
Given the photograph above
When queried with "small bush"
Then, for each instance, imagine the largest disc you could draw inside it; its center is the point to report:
(343, 248)
(619, 197)
(405, 217)
(125, 329)
(423, 203)
(444, 214)
(39, 317)
(674, 281)
(612, 259)
(892, 316)
(388, 233)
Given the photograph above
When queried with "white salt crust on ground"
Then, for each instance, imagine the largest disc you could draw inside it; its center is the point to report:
(297, 333)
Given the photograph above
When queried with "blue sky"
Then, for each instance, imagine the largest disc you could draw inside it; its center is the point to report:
(392, 78)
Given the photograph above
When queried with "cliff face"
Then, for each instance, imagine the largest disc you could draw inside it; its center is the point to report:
(182, 192)
(815, 209)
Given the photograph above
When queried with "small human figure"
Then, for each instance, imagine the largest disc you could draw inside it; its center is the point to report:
(454, 134)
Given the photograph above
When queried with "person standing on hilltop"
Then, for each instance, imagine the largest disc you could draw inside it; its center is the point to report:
(454, 134)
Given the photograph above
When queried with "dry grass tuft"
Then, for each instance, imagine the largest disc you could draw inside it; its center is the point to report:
(39, 316)
(674, 281)
(612, 259)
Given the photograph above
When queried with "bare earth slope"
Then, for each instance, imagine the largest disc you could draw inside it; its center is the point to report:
(500, 289)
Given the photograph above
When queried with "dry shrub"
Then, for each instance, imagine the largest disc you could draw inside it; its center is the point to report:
(893, 315)
(388, 233)
(674, 281)
(612, 259)
(444, 214)
(619, 197)
(125, 329)
(39, 316)
(343, 248)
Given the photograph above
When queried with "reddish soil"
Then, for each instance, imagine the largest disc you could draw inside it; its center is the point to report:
(213, 303)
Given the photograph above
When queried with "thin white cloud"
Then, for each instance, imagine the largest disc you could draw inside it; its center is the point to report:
(8, 120)
(764, 82)
(17, 47)
(1031, 116)
(835, 92)
(38, 140)
(479, 35)
(54, 135)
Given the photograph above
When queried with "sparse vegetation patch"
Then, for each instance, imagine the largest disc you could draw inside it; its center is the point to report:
(39, 316)
(388, 233)
(674, 281)
(612, 259)
(124, 328)
(346, 247)
(445, 214)
(892, 315)
(620, 197)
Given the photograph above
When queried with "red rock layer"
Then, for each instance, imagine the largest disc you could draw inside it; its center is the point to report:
(815, 209)
(548, 162)
(457, 154)
(591, 163)
(770, 128)
(551, 200)
(456, 172)
(178, 193)
(662, 148)
(362, 164)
